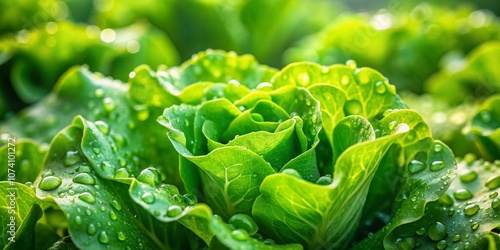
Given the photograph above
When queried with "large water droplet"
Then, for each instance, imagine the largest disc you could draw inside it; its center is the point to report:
(471, 209)
(380, 88)
(303, 79)
(148, 197)
(116, 205)
(351, 64)
(437, 147)
(102, 126)
(190, 199)
(142, 112)
(121, 236)
(495, 203)
(243, 221)
(406, 244)
(50, 183)
(468, 175)
(84, 178)
(103, 237)
(107, 168)
(72, 158)
(150, 176)
(78, 220)
(437, 231)
(239, 234)
(87, 197)
(345, 79)
(292, 172)
(324, 180)
(462, 194)
(415, 166)
(174, 211)
(108, 104)
(352, 107)
(121, 173)
(112, 215)
(493, 182)
(442, 244)
(91, 229)
(437, 165)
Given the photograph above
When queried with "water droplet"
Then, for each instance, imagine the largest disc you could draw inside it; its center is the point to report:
(468, 175)
(150, 176)
(239, 234)
(96, 151)
(269, 242)
(245, 222)
(416, 166)
(406, 244)
(345, 79)
(78, 220)
(292, 172)
(442, 244)
(324, 180)
(264, 85)
(107, 168)
(303, 79)
(380, 88)
(392, 125)
(116, 205)
(437, 165)
(50, 183)
(437, 147)
(456, 237)
(351, 64)
(364, 77)
(103, 237)
(142, 112)
(72, 158)
(353, 107)
(119, 140)
(471, 209)
(148, 197)
(446, 200)
(112, 215)
(493, 194)
(474, 225)
(99, 93)
(87, 197)
(174, 211)
(462, 194)
(102, 126)
(437, 231)
(121, 173)
(121, 236)
(170, 189)
(495, 203)
(108, 104)
(421, 231)
(493, 182)
(91, 229)
(190, 199)
(84, 178)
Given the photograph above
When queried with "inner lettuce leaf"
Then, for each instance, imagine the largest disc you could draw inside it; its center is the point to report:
(233, 146)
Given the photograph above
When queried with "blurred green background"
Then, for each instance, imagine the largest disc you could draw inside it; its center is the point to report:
(443, 52)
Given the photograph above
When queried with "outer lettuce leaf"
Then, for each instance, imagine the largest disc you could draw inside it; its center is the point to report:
(218, 141)
(26, 164)
(476, 77)
(485, 126)
(18, 201)
(294, 210)
(465, 217)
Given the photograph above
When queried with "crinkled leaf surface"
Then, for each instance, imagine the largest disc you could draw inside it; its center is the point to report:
(294, 210)
(18, 201)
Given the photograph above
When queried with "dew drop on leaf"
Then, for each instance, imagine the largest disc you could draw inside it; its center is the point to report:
(468, 175)
(148, 198)
(292, 172)
(121, 236)
(456, 237)
(150, 176)
(72, 157)
(406, 243)
(421, 231)
(87, 197)
(380, 88)
(174, 211)
(442, 244)
(102, 126)
(471, 209)
(493, 182)
(116, 205)
(107, 168)
(108, 104)
(84, 178)
(190, 199)
(437, 231)
(351, 64)
(50, 183)
(462, 194)
(416, 166)
(437, 165)
(103, 237)
(91, 229)
(112, 215)
(121, 173)
(437, 147)
(239, 234)
(345, 79)
(495, 203)
(78, 220)
(352, 107)
(142, 112)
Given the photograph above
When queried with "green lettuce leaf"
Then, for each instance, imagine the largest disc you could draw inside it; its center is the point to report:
(485, 127)
(19, 212)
